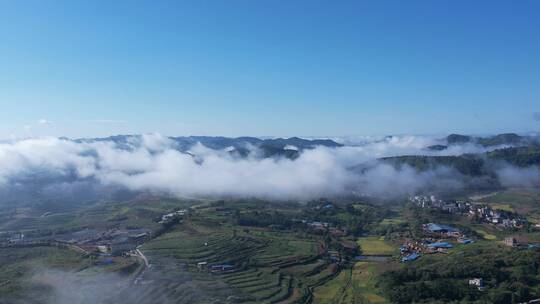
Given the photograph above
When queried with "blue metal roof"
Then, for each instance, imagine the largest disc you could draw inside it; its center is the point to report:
(440, 245)
(410, 257)
(222, 266)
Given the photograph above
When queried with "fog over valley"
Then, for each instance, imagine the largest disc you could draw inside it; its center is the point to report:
(291, 168)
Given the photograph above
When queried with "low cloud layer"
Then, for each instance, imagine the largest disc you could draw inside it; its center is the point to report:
(510, 176)
(153, 163)
(54, 286)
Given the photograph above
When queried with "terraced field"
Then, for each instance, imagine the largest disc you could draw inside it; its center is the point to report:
(48, 274)
(351, 286)
(269, 267)
(102, 215)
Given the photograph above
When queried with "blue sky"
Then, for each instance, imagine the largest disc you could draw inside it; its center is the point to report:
(283, 68)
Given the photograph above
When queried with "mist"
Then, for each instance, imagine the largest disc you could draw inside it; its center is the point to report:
(54, 286)
(511, 176)
(155, 163)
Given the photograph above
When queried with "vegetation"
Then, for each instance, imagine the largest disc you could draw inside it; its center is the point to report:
(375, 246)
(510, 276)
(280, 252)
(474, 165)
(19, 266)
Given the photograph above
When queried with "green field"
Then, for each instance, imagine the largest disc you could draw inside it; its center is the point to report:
(374, 245)
(33, 274)
(270, 266)
(356, 285)
(335, 290)
(102, 215)
(504, 207)
(278, 262)
(392, 221)
(486, 235)
(364, 282)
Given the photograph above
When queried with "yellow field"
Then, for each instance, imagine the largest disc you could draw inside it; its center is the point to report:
(391, 221)
(486, 235)
(349, 287)
(363, 281)
(373, 245)
(334, 290)
(504, 207)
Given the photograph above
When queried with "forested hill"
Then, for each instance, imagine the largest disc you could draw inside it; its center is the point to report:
(471, 164)
(503, 140)
(240, 146)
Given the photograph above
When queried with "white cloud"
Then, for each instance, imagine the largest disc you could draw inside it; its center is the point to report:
(290, 147)
(510, 176)
(153, 163)
(107, 121)
(45, 122)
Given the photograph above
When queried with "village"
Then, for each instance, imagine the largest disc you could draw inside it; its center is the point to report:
(477, 211)
(169, 216)
(109, 242)
(437, 239)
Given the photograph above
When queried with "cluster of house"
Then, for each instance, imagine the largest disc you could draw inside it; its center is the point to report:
(86, 236)
(504, 219)
(15, 238)
(169, 216)
(322, 227)
(100, 242)
(483, 212)
(112, 241)
(412, 250)
(433, 242)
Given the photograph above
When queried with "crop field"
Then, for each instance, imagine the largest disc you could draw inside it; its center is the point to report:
(391, 221)
(521, 200)
(102, 215)
(269, 267)
(284, 263)
(356, 285)
(504, 207)
(363, 282)
(335, 290)
(486, 235)
(19, 266)
(374, 245)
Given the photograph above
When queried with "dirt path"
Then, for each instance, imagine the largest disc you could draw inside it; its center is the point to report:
(143, 257)
(140, 255)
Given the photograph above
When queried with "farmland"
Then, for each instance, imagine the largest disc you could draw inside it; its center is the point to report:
(375, 246)
(30, 275)
(224, 251)
(269, 267)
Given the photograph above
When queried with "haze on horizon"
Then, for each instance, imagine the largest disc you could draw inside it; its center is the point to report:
(295, 68)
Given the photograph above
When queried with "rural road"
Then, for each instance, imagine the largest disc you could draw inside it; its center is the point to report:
(146, 265)
(142, 256)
